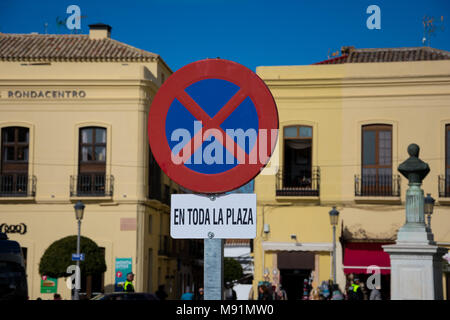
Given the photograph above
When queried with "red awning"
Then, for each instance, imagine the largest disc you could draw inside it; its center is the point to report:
(359, 256)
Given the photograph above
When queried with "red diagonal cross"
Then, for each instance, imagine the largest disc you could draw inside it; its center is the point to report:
(212, 123)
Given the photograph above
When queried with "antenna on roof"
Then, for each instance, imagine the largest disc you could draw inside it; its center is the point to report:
(333, 54)
(60, 23)
(45, 27)
(430, 27)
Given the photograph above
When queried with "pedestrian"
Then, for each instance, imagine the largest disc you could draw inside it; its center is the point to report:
(324, 291)
(375, 294)
(336, 293)
(188, 295)
(230, 294)
(161, 292)
(251, 294)
(281, 293)
(264, 293)
(128, 286)
(354, 291)
(201, 295)
(314, 295)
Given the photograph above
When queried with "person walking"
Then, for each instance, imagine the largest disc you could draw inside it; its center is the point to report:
(161, 292)
(324, 291)
(375, 294)
(354, 291)
(336, 293)
(264, 293)
(281, 293)
(201, 295)
(230, 294)
(314, 294)
(188, 295)
(128, 286)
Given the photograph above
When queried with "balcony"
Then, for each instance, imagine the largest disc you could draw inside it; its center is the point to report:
(377, 185)
(92, 185)
(17, 185)
(444, 186)
(302, 184)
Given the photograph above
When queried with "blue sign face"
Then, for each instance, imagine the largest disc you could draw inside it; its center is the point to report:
(123, 267)
(76, 257)
(211, 95)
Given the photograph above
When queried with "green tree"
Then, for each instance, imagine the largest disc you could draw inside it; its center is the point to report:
(58, 257)
(232, 270)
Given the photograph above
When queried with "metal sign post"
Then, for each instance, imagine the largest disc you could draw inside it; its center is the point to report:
(200, 118)
(213, 269)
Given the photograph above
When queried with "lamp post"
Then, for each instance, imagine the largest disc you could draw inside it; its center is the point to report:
(79, 211)
(428, 208)
(334, 217)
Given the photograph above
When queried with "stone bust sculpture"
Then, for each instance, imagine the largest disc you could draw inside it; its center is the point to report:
(414, 169)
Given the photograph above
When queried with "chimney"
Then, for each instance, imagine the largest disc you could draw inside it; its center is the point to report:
(347, 50)
(99, 31)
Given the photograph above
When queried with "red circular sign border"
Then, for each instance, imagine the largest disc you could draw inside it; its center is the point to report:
(231, 71)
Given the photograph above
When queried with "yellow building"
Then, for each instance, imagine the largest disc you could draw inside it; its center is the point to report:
(73, 123)
(345, 125)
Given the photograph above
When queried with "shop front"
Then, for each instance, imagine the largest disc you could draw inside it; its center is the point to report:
(368, 262)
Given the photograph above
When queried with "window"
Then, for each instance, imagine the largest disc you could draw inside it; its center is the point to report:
(447, 160)
(376, 159)
(297, 156)
(298, 177)
(93, 146)
(154, 178)
(14, 161)
(92, 161)
(15, 149)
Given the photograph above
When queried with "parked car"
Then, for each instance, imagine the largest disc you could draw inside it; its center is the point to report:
(13, 279)
(126, 296)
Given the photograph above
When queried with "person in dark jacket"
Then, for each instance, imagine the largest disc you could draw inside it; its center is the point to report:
(201, 294)
(161, 293)
(264, 293)
(355, 291)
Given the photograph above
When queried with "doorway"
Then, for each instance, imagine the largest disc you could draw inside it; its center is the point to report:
(292, 281)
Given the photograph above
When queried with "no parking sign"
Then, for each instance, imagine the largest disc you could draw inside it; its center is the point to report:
(213, 126)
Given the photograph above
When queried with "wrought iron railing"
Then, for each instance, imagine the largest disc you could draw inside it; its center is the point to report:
(298, 183)
(444, 186)
(92, 185)
(377, 185)
(17, 185)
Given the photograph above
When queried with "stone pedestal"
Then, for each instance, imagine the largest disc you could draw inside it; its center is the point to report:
(416, 271)
(416, 260)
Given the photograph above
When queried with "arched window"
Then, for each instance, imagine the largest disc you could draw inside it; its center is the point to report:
(92, 161)
(297, 156)
(14, 161)
(447, 162)
(376, 159)
(298, 177)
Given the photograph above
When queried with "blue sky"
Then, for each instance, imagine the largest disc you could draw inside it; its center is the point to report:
(251, 32)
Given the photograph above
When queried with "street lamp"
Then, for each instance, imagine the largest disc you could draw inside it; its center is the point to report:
(79, 212)
(428, 208)
(334, 217)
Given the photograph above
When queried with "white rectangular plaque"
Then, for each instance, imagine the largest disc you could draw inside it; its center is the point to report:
(231, 216)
